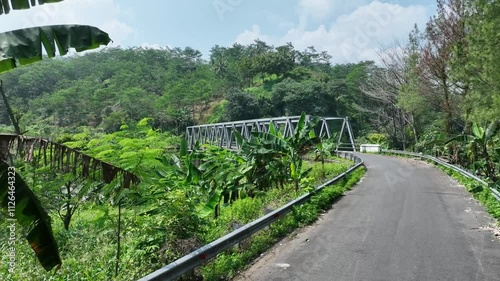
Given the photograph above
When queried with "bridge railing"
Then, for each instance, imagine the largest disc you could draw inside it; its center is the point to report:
(189, 262)
(457, 169)
(223, 134)
(62, 158)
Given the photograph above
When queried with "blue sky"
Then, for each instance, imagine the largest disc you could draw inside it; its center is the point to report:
(349, 30)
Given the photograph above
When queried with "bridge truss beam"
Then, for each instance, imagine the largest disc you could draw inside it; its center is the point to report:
(222, 134)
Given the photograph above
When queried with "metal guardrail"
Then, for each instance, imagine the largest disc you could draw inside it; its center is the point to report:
(189, 262)
(463, 172)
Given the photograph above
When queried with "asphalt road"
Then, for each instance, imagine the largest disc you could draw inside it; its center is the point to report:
(405, 221)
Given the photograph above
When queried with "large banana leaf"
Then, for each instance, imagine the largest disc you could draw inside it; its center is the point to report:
(6, 5)
(24, 46)
(30, 214)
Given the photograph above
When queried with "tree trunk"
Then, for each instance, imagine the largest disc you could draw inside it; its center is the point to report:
(67, 216)
(12, 117)
(403, 129)
(447, 108)
(414, 128)
(489, 166)
(118, 245)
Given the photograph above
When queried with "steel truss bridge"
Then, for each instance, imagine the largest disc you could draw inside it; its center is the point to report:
(222, 134)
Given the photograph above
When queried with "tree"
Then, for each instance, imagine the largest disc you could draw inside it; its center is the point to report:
(411, 95)
(475, 61)
(381, 89)
(241, 106)
(290, 97)
(444, 31)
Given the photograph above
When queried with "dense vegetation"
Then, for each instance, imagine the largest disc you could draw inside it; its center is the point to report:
(437, 92)
(184, 200)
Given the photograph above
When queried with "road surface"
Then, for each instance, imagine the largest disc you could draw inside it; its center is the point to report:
(406, 220)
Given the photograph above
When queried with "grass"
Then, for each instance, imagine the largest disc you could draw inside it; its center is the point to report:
(87, 255)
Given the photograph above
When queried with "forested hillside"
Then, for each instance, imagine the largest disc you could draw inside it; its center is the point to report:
(176, 87)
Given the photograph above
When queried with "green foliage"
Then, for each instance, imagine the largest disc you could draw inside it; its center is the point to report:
(219, 113)
(83, 258)
(6, 6)
(292, 98)
(24, 46)
(167, 231)
(477, 151)
(327, 170)
(107, 89)
(377, 138)
(271, 158)
(136, 148)
(23, 207)
(232, 216)
(475, 61)
(241, 106)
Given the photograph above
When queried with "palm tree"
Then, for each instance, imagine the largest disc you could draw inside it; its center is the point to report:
(219, 65)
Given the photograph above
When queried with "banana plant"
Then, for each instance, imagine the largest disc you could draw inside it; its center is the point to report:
(6, 5)
(185, 164)
(222, 178)
(323, 150)
(211, 172)
(300, 143)
(273, 155)
(24, 46)
(24, 208)
(264, 155)
(477, 148)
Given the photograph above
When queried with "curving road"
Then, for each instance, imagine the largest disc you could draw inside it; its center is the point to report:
(406, 220)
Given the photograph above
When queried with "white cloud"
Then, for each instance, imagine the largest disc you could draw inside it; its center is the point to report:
(353, 36)
(104, 14)
(249, 36)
